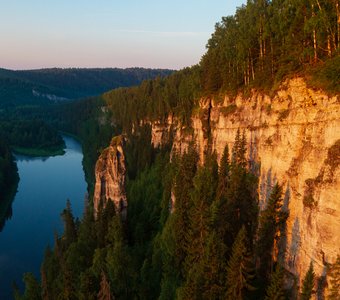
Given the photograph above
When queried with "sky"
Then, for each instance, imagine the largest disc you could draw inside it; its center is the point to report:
(107, 33)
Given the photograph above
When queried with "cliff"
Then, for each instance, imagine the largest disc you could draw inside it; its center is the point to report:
(110, 173)
(293, 138)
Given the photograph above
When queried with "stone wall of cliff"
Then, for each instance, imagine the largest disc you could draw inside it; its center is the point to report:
(110, 173)
(293, 138)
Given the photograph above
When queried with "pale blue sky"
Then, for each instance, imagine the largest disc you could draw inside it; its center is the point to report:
(107, 33)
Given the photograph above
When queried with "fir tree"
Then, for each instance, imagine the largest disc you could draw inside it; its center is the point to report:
(240, 270)
(205, 183)
(223, 173)
(271, 220)
(118, 261)
(32, 289)
(275, 289)
(308, 284)
(70, 231)
(183, 187)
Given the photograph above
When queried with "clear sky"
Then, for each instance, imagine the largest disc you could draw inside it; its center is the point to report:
(107, 33)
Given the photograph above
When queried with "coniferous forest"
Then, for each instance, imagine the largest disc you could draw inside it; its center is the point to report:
(212, 242)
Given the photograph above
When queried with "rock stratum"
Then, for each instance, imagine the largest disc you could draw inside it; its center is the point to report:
(110, 172)
(294, 139)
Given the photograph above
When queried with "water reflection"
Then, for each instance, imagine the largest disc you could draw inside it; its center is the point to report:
(33, 217)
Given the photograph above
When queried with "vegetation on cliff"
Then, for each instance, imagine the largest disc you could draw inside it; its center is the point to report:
(195, 252)
(192, 231)
(259, 46)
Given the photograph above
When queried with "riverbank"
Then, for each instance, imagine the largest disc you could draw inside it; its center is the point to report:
(40, 152)
(45, 185)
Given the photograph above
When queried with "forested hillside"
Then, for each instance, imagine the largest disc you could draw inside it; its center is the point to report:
(211, 242)
(46, 86)
(34, 138)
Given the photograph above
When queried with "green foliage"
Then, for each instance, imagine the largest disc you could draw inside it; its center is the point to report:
(240, 270)
(268, 40)
(31, 137)
(275, 289)
(156, 99)
(70, 231)
(308, 284)
(48, 86)
(271, 220)
(32, 289)
(196, 262)
(326, 75)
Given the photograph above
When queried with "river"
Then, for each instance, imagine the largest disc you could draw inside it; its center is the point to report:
(45, 185)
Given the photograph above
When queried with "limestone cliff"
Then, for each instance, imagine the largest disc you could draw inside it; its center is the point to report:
(294, 138)
(110, 175)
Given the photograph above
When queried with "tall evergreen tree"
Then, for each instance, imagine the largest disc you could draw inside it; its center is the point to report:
(183, 187)
(205, 184)
(32, 289)
(275, 289)
(118, 261)
(271, 220)
(70, 231)
(308, 284)
(240, 270)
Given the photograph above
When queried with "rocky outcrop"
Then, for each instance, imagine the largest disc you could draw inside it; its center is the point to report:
(110, 173)
(294, 138)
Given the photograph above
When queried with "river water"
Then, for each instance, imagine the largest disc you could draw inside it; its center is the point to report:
(45, 185)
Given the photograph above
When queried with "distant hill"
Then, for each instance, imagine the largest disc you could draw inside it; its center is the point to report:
(38, 87)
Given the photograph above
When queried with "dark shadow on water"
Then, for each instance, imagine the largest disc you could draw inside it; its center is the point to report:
(6, 211)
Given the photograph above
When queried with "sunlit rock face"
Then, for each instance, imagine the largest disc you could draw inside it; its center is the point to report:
(110, 173)
(293, 138)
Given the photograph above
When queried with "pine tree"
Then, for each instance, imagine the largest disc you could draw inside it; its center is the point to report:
(214, 266)
(205, 183)
(119, 261)
(275, 289)
(223, 174)
(32, 288)
(183, 187)
(70, 231)
(236, 147)
(240, 270)
(334, 291)
(308, 284)
(271, 220)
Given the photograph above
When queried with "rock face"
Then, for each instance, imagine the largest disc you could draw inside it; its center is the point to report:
(293, 138)
(110, 175)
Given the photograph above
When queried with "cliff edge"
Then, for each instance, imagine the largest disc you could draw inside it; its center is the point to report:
(294, 139)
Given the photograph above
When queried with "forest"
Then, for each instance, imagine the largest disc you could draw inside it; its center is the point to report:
(213, 245)
(50, 86)
(261, 45)
(212, 242)
(34, 138)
